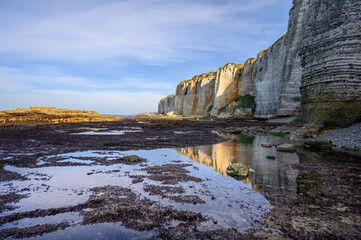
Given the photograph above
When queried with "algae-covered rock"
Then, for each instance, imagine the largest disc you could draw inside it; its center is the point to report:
(286, 148)
(237, 170)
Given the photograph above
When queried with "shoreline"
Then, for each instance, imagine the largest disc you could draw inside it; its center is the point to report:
(290, 213)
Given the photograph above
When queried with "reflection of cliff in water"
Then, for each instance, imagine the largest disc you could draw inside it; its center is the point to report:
(270, 175)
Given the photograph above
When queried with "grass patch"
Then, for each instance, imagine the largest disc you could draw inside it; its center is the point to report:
(209, 109)
(277, 134)
(246, 101)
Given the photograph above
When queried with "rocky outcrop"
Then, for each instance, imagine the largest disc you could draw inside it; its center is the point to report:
(166, 104)
(226, 86)
(43, 115)
(320, 54)
(194, 97)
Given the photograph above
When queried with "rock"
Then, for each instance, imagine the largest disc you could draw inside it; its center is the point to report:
(171, 113)
(166, 105)
(237, 170)
(286, 148)
(267, 145)
(133, 158)
(319, 145)
(278, 142)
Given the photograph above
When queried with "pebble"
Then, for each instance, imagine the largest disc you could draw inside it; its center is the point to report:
(349, 137)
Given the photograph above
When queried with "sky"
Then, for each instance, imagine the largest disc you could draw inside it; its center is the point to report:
(122, 56)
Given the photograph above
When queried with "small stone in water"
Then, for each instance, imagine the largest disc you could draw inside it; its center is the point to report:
(267, 145)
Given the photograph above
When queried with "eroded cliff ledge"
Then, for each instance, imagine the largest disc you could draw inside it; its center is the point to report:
(314, 69)
(43, 115)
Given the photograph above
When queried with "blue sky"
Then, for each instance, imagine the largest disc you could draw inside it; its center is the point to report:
(122, 56)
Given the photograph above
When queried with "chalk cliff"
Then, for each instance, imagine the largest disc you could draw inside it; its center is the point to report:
(331, 62)
(193, 97)
(316, 63)
(166, 104)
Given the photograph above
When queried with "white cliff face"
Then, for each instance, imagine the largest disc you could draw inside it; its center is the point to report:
(278, 69)
(194, 97)
(320, 53)
(166, 105)
(246, 83)
(331, 61)
(226, 86)
(268, 78)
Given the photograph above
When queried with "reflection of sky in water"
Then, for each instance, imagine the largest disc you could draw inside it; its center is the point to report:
(236, 204)
(111, 132)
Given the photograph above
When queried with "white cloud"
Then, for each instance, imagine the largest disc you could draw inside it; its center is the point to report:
(50, 77)
(153, 31)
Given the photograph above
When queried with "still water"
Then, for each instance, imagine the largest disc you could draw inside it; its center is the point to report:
(229, 203)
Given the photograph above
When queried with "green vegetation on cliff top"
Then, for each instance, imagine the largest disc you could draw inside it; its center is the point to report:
(198, 77)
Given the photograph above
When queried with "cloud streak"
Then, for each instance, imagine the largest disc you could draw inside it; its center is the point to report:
(149, 31)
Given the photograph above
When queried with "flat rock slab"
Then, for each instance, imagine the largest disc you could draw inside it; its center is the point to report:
(286, 148)
(267, 145)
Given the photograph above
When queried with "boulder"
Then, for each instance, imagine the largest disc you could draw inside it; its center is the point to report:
(267, 145)
(286, 148)
(319, 145)
(237, 170)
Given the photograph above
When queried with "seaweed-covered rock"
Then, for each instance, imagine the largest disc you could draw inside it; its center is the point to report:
(237, 170)
(286, 148)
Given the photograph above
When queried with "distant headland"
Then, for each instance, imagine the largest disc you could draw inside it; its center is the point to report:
(50, 115)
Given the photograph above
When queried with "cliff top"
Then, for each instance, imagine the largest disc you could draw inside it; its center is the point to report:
(165, 98)
(261, 53)
(198, 77)
(236, 65)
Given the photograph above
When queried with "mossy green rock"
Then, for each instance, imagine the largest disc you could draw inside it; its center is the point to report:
(237, 170)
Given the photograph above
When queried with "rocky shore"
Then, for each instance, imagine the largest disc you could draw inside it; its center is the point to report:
(348, 138)
(147, 197)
